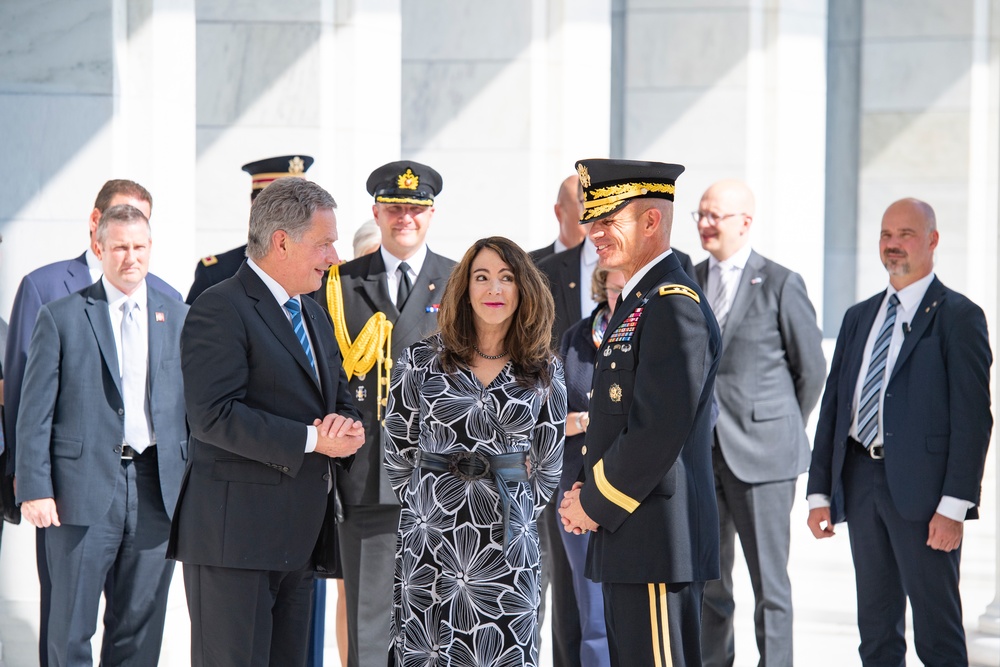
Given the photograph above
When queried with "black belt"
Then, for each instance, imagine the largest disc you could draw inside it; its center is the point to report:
(129, 453)
(876, 452)
(470, 466)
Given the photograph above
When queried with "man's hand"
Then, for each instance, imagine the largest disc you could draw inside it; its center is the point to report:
(944, 534)
(574, 519)
(40, 513)
(338, 436)
(817, 517)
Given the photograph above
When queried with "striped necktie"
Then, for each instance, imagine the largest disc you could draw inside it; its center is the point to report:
(868, 406)
(295, 309)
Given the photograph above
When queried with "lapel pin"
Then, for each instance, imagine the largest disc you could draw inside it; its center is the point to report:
(432, 287)
(433, 308)
(160, 317)
(756, 280)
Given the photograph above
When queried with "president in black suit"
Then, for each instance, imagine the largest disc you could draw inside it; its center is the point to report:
(770, 379)
(103, 444)
(397, 287)
(649, 494)
(270, 420)
(901, 444)
(48, 283)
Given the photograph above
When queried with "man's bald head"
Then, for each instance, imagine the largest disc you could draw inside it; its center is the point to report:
(569, 210)
(907, 241)
(725, 214)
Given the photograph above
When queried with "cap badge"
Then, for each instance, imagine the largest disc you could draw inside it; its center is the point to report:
(408, 180)
(615, 392)
(584, 175)
(296, 167)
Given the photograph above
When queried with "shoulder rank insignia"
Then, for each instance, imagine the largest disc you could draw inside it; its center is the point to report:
(210, 260)
(680, 289)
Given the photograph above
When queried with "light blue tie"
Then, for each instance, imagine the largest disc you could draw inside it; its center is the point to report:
(871, 391)
(295, 308)
(134, 367)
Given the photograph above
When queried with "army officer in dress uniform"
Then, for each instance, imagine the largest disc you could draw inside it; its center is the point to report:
(649, 494)
(216, 268)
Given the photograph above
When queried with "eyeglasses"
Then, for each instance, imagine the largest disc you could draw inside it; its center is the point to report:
(712, 218)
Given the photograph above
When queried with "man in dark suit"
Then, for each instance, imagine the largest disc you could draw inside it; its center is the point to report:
(216, 268)
(103, 440)
(649, 494)
(270, 415)
(45, 284)
(901, 444)
(770, 378)
(568, 208)
(397, 286)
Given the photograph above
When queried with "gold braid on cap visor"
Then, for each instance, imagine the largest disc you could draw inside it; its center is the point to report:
(601, 200)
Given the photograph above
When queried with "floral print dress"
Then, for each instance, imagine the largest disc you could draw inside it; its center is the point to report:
(458, 599)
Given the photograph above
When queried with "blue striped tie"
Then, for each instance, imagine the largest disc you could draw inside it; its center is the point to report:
(295, 308)
(872, 389)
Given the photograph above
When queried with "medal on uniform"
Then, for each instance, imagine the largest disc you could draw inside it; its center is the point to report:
(361, 394)
(615, 392)
(607, 352)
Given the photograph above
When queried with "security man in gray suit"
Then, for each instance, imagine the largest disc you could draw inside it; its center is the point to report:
(390, 294)
(102, 448)
(770, 378)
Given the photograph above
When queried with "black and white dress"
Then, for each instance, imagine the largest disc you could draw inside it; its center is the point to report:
(458, 599)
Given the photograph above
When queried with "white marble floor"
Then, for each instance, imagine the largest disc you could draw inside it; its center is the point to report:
(822, 579)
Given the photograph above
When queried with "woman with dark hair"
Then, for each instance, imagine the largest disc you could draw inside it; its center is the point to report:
(579, 352)
(473, 448)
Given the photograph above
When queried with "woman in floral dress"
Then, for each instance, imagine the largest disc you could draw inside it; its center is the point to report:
(473, 448)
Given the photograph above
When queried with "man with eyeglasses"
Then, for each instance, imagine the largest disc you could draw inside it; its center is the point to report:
(770, 378)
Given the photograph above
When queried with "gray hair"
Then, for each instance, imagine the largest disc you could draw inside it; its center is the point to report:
(287, 204)
(367, 235)
(122, 214)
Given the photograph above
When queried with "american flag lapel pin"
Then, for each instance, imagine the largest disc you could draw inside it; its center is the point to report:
(160, 316)
(756, 280)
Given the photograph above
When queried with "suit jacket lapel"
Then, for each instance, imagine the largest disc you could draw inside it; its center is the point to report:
(100, 322)
(77, 274)
(424, 292)
(569, 288)
(750, 280)
(274, 317)
(320, 350)
(921, 320)
(156, 314)
(856, 351)
(376, 287)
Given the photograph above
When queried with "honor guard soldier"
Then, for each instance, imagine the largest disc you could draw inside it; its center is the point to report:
(648, 493)
(381, 303)
(216, 268)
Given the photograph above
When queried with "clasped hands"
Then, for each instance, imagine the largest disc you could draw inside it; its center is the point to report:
(574, 519)
(338, 436)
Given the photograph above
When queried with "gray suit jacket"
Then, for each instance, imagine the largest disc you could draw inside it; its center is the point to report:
(365, 290)
(771, 374)
(71, 424)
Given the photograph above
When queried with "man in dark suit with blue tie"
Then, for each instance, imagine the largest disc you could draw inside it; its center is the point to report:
(271, 421)
(103, 443)
(901, 444)
(45, 284)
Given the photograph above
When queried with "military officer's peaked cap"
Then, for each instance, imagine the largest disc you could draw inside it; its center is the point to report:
(404, 182)
(610, 184)
(266, 171)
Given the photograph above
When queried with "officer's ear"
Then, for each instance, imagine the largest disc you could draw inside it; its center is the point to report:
(651, 220)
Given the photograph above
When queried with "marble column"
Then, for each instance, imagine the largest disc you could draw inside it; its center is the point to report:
(731, 89)
(501, 98)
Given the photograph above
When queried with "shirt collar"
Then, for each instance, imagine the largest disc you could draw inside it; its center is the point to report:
(116, 297)
(416, 262)
(558, 246)
(911, 295)
(588, 254)
(738, 260)
(93, 264)
(634, 281)
(279, 293)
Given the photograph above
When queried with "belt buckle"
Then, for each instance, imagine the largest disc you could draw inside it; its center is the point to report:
(127, 453)
(877, 452)
(457, 460)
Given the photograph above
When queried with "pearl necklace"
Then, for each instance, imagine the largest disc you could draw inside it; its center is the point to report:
(491, 357)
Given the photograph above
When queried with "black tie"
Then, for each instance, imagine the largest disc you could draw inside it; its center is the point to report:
(404, 285)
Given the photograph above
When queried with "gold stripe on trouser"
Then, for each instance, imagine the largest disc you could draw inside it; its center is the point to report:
(659, 626)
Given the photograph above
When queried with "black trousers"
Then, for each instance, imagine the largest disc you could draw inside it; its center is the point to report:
(654, 625)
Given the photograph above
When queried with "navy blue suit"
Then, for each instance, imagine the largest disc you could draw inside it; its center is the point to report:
(41, 286)
(937, 423)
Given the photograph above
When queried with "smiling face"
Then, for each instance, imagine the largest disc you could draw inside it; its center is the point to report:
(725, 215)
(631, 237)
(307, 260)
(493, 290)
(403, 227)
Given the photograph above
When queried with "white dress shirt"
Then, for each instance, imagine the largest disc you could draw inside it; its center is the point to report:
(392, 268)
(735, 264)
(588, 262)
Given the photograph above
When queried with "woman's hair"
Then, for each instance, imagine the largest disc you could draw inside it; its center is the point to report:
(528, 339)
(598, 285)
